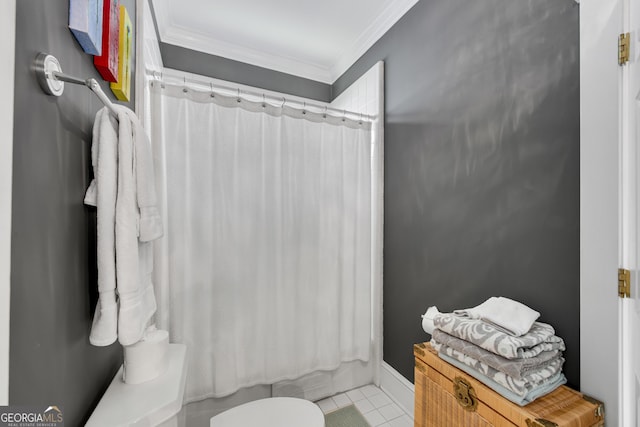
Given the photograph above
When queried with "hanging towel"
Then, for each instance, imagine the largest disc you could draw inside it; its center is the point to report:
(104, 159)
(150, 223)
(511, 316)
(121, 227)
(540, 338)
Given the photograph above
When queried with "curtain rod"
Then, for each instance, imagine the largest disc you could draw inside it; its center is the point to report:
(51, 79)
(256, 93)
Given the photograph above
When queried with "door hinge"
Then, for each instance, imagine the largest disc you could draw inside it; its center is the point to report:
(624, 283)
(623, 48)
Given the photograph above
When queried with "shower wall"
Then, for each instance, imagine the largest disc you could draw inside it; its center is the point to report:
(481, 164)
(365, 96)
(53, 265)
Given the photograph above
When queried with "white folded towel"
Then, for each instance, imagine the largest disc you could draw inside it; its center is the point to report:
(512, 317)
(427, 319)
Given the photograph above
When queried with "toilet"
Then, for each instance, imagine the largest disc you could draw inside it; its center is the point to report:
(271, 412)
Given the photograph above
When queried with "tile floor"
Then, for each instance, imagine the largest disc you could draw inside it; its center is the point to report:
(373, 403)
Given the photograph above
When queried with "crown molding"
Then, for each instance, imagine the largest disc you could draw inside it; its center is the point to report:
(378, 28)
(174, 34)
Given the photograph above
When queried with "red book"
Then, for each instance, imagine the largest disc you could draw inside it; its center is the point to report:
(107, 63)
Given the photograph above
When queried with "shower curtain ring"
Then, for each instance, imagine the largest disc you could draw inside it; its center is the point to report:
(161, 80)
(324, 115)
(213, 95)
(184, 89)
(238, 94)
(284, 100)
(264, 101)
(304, 108)
(344, 115)
(360, 122)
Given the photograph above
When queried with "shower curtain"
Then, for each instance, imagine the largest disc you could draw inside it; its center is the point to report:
(265, 268)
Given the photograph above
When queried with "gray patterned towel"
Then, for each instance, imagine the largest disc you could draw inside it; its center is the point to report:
(540, 338)
(520, 387)
(516, 368)
(544, 388)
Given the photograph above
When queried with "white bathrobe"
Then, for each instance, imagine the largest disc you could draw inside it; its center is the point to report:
(128, 220)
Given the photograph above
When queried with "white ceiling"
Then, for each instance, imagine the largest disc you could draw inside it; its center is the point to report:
(315, 39)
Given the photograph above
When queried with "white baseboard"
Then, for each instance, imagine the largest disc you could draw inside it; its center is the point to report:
(397, 387)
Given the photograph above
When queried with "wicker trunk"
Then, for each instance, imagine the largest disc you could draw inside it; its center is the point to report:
(447, 397)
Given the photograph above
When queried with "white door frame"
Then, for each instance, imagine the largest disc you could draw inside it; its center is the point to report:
(630, 219)
(7, 77)
(600, 148)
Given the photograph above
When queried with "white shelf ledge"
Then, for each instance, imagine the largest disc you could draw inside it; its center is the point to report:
(146, 404)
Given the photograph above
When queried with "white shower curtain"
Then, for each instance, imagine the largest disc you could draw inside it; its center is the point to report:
(265, 268)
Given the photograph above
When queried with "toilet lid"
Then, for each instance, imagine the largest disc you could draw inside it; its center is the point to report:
(271, 412)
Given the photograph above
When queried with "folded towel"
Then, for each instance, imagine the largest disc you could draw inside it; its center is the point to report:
(521, 386)
(511, 316)
(540, 338)
(427, 319)
(516, 368)
(539, 391)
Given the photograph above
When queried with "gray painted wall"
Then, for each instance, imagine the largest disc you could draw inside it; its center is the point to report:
(481, 164)
(179, 58)
(53, 267)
